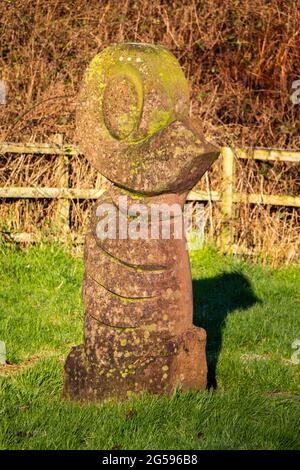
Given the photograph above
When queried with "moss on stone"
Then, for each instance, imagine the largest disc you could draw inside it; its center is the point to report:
(146, 67)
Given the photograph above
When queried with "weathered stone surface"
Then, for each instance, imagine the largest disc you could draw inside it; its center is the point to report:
(133, 126)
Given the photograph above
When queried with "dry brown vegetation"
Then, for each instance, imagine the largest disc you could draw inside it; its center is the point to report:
(240, 57)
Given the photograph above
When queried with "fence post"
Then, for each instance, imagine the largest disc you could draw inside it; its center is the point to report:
(227, 199)
(63, 205)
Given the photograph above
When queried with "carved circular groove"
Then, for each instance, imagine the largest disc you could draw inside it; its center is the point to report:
(121, 107)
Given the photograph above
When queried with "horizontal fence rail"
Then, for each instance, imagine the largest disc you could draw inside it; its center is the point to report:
(61, 149)
(227, 196)
(27, 192)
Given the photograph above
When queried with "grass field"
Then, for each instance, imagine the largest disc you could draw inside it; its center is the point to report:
(251, 315)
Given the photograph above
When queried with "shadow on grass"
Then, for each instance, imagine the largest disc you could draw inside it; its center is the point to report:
(214, 299)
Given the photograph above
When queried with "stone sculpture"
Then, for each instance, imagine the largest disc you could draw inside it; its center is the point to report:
(133, 126)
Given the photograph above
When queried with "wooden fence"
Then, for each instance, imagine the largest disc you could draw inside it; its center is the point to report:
(227, 196)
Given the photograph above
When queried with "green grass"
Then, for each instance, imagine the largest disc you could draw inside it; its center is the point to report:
(251, 315)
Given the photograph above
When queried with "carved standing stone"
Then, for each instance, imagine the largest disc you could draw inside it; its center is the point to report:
(133, 126)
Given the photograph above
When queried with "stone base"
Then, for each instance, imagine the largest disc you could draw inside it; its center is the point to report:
(185, 368)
